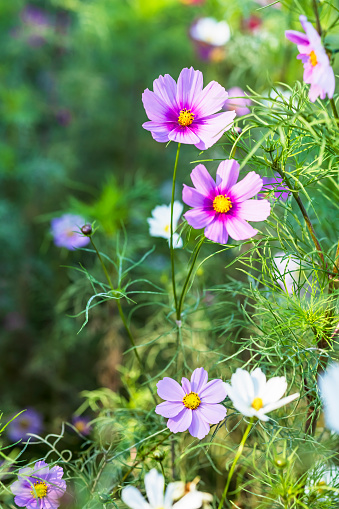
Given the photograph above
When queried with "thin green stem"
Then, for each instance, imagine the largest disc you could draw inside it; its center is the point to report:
(122, 316)
(235, 461)
(317, 19)
(188, 277)
(334, 109)
(171, 239)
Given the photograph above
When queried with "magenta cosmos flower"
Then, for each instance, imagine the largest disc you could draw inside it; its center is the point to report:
(223, 207)
(193, 405)
(39, 487)
(237, 101)
(186, 112)
(281, 191)
(317, 68)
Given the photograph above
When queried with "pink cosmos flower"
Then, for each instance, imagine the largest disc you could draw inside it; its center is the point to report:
(185, 112)
(237, 101)
(223, 207)
(317, 68)
(193, 405)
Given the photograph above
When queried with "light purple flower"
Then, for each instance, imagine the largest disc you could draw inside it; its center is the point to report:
(237, 101)
(223, 207)
(281, 191)
(185, 112)
(39, 487)
(66, 231)
(317, 68)
(82, 424)
(193, 405)
(29, 421)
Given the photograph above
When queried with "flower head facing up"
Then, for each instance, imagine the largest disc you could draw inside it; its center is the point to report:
(186, 112)
(29, 421)
(160, 222)
(237, 101)
(193, 405)
(276, 183)
(66, 231)
(254, 396)
(317, 68)
(223, 207)
(154, 484)
(39, 487)
(328, 385)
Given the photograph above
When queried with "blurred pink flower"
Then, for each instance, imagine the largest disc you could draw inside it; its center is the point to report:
(209, 37)
(237, 101)
(317, 68)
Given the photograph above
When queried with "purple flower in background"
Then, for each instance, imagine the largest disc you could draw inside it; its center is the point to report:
(39, 487)
(185, 112)
(82, 424)
(37, 24)
(237, 101)
(193, 405)
(281, 191)
(223, 207)
(29, 421)
(66, 231)
(317, 68)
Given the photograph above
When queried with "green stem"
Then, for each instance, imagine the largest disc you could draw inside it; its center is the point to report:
(315, 8)
(184, 289)
(334, 109)
(235, 461)
(171, 239)
(123, 318)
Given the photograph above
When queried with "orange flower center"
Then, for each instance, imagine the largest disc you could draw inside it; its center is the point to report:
(40, 489)
(313, 59)
(185, 118)
(222, 204)
(191, 400)
(257, 403)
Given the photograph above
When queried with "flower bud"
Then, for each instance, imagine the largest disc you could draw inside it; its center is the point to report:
(159, 455)
(280, 462)
(87, 230)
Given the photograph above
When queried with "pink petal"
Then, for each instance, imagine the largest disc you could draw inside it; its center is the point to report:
(247, 187)
(159, 130)
(169, 408)
(198, 218)
(186, 385)
(213, 392)
(212, 413)
(217, 232)
(239, 229)
(227, 174)
(296, 37)
(183, 135)
(202, 180)
(181, 422)
(170, 389)
(156, 109)
(192, 197)
(190, 83)
(210, 100)
(254, 210)
(210, 129)
(199, 378)
(199, 427)
(166, 88)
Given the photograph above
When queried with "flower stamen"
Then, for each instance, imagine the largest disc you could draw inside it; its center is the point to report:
(40, 489)
(222, 204)
(257, 403)
(191, 400)
(185, 117)
(313, 59)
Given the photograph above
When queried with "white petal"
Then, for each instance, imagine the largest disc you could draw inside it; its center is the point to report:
(155, 484)
(133, 498)
(280, 403)
(274, 390)
(328, 384)
(259, 381)
(190, 501)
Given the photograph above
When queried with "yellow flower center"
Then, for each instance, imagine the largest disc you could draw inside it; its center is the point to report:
(185, 118)
(257, 403)
(191, 400)
(167, 229)
(40, 489)
(222, 204)
(313, 59)
(80, 425)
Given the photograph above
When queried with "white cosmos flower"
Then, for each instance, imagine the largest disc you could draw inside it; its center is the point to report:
(254, 396)
(329, 387)
(211, 31)
(157, 499)
(160, 222)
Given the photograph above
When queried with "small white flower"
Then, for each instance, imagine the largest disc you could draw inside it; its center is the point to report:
(211, 31)
(154, 485)
(254, 396)
(160, 222)
(329, 387)
(289, 270)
